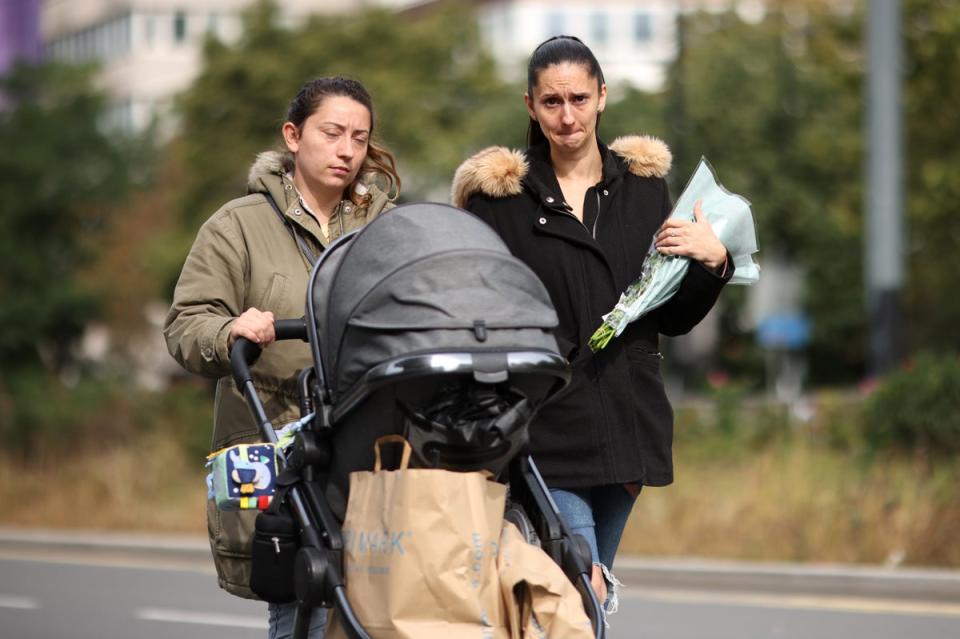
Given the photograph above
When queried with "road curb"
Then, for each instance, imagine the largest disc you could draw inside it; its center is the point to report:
(928, 584)
(100, 543)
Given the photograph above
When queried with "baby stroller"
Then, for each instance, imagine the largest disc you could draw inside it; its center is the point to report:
(420, 324)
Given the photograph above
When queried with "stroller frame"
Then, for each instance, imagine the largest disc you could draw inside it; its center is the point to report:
(318, 567)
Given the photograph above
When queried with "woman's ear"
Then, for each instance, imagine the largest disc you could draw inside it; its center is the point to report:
(602, 103)
(291, 136)
(528, 101)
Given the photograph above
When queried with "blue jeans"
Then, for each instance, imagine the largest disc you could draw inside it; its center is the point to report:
(281, 621)
(599, 513)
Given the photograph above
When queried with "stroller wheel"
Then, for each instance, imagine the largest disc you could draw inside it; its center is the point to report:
(517, 516)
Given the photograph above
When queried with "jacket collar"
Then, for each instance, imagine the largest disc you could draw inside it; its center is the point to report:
(271, 173)
(499, 172)
(542, 181)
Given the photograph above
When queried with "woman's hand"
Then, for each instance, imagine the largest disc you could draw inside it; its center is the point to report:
(695, 240)
(255, 325)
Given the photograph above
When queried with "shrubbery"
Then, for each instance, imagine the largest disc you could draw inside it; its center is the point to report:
(39, 414)
(917, 409)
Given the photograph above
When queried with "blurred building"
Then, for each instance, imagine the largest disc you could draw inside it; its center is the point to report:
(19, 32)
(633, 40)
(148, 50)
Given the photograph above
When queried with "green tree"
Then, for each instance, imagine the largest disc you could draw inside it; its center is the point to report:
(437, 95)
(776, 106)
(932, 308)
(59, 175)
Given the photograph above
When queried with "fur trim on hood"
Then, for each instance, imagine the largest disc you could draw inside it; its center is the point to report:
(646, 155)
(498, 171)
(269, 163)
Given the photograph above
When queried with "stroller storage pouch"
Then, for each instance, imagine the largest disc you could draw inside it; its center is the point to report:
(275, 544)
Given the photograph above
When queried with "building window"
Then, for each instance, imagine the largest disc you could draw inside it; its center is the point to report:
(148, 31)
(126, 33)
(642, 31)
(179, 27)
(555, 24)
(599, 33)
(506, 24)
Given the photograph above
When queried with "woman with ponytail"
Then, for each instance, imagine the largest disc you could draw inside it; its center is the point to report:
(582, 215)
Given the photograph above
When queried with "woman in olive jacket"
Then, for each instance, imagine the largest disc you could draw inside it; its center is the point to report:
(249, 265)
(582, 215)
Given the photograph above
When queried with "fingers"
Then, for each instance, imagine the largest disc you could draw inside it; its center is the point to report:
(670, 232)
(694, 239)
(673, 236)
(254, 325)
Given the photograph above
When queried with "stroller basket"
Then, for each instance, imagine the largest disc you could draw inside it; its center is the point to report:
(420, 324)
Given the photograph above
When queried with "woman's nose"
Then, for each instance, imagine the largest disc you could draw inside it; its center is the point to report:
(567, 114)
(345, 147)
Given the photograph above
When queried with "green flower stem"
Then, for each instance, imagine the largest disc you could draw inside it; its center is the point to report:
(614, 321)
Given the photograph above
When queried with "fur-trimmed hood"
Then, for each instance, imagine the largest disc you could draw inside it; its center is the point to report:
(268, 163)
(498, 171)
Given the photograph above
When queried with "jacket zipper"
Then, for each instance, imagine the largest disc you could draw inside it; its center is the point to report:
(597, 218)
(563, 211)
(593, 233)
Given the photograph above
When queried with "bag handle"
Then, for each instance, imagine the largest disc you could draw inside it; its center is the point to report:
(394, 439)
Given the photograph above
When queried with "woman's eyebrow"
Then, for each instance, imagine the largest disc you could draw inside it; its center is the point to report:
(341, 127)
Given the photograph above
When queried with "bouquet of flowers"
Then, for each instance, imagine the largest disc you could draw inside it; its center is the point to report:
(729, 216)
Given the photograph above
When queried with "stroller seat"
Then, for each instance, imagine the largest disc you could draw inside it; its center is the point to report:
(423, 324)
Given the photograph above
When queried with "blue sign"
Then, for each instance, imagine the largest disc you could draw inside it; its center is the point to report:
(784, 330)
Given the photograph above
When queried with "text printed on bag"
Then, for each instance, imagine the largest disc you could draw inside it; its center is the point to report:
(375, 542)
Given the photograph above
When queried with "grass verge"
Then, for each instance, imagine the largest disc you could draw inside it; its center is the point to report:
(752, 481)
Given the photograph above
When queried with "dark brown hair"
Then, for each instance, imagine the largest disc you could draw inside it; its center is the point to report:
(379, 160)
(557, 50)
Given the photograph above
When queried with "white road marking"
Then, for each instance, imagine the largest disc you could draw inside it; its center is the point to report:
(24, 603)
(202, 618)
(796, 602)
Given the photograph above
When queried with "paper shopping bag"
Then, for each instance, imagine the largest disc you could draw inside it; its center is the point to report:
(541, 602)
(420, 553)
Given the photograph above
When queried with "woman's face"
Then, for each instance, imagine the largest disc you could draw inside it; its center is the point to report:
(331, 145)
(566, 101)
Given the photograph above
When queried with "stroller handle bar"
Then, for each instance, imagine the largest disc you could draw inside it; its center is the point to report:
(244, 352)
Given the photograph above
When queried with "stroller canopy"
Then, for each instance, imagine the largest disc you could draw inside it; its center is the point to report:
(423, 278)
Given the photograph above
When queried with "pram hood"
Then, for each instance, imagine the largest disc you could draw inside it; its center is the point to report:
(423, 278)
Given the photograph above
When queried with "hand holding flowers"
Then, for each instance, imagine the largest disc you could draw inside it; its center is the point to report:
(694, 239)
(726, 228)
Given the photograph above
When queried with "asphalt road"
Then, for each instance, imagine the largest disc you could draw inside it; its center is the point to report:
(63, 592)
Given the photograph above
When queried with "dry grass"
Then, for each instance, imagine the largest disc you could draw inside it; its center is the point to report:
(155, 488)
(753, 492)
(801, 502)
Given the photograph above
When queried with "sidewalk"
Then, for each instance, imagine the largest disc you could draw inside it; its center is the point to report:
(927, 584)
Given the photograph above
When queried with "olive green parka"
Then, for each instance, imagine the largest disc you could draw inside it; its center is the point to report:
(245, 257)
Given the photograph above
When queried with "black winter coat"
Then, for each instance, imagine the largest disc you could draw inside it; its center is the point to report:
(613, 424)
